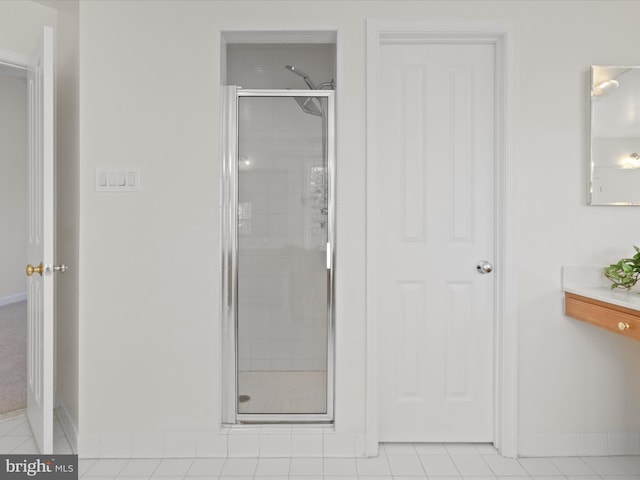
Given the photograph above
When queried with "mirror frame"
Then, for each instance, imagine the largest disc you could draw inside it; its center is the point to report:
(592, 119)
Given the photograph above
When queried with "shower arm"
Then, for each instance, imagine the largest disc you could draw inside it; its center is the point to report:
(331, 84)
(308, 81)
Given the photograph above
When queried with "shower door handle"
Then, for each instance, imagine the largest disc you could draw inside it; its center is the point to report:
(328, 256)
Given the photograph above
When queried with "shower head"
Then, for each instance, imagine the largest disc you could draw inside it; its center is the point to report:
(308, 105)
(304, 76)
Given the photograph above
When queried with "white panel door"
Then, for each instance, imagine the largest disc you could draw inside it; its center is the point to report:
(435, 218)
(40, 244)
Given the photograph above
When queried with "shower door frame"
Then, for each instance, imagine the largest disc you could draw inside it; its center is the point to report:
(229, 262)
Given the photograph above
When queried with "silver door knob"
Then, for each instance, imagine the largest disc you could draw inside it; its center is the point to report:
(60, 268)
(484, 267)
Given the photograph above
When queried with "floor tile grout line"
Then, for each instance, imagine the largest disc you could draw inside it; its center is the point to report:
(23, 443)
(18, 425)
(484, 459)
(544, 458)
(422, 464)
(93, 462)
(455, 465)
(386, 457)
(255, 469)
(186, 474)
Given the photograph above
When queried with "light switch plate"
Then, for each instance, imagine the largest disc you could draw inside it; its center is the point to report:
(118, 179)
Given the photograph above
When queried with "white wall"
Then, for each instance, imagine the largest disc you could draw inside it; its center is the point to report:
(21, 25)
(13, 184)
(149, 261)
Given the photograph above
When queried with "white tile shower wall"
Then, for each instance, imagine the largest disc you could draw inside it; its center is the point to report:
(281, 295)
(282, 278)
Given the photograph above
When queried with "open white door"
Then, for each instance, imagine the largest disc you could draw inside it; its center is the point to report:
(40, 244)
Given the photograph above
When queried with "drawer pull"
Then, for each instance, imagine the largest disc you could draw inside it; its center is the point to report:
(623, 326)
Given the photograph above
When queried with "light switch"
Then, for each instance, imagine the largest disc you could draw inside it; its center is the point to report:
(124, 179)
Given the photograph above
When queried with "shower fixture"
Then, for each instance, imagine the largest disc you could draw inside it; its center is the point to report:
(331, 84)
(304, 76)
(307, 104)
(632, 161)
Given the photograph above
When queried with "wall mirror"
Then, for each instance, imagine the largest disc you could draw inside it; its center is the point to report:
(615, 136)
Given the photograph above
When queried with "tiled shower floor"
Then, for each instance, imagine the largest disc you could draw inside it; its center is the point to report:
(283, 392)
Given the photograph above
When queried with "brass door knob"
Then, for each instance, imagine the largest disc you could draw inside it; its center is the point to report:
(31, 269)
(623, 326)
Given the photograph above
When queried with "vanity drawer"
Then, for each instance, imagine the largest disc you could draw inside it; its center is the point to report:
(614, 318)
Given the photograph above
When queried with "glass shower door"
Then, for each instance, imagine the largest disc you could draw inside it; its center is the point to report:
(283, 259)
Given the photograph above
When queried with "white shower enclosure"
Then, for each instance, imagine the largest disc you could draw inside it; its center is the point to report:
(278, 255)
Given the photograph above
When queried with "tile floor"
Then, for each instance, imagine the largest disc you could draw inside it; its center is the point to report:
(395, 462)
(16, 437)
(406, 461)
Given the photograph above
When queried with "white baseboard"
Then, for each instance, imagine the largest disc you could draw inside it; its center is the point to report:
(68, 426)
(578, 444)
(8, 300)
(234, 442)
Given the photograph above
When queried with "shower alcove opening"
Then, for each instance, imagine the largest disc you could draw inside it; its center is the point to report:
(278, 226)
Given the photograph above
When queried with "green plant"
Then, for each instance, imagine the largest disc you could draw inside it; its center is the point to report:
(625, 273)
